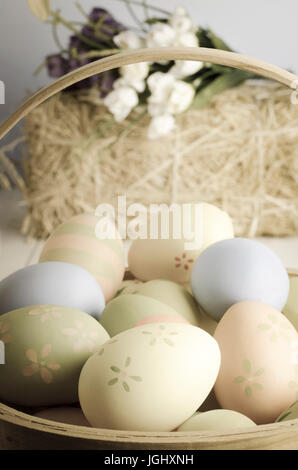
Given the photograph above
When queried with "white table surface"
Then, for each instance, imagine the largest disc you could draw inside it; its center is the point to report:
(16, 251)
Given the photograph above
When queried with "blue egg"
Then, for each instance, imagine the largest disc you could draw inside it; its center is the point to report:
(52, 283)
(235, 270)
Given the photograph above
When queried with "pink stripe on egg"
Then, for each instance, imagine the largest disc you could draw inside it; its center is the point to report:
(91, 246)
(161, 319)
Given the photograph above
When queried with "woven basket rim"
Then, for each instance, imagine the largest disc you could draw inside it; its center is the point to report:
(25, 420)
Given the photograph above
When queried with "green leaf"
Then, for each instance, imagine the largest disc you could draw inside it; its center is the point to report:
(100, 353)
(217, 42)
(204, 39)
(259, 372)
(127, 362)
(147, 332)
(154, 20)
(126, 386)
(292, 384)
(239, 380)
(115, 369)
(137, 378)
(113, 381)
(257, 386)
(248, 391)
(218, 85)
(246, 365)
(40, 8)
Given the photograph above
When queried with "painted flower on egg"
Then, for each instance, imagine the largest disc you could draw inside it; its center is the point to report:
(161, 335)
(83, 338)
(183, 262)
(123, 377)
(249, 379)
(40, 365)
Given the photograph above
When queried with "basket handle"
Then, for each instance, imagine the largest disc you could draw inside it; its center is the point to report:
(215, 56)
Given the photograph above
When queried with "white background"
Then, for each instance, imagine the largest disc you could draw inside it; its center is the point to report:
(266, 29)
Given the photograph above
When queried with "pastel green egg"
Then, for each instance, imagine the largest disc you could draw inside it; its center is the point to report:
(45, 348)
(289, 413)
(177, 297)
(128, 311)
(76, 242)
(216, 420)
(291, 308)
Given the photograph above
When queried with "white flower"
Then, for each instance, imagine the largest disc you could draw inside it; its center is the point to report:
(161, 35)
(134, 75)
(181, 97)
(185, 68)
(160, 83)
(121, 101)
(160, 125)
(168, 95)
(128, 40)
(187, 39)
(181, 21)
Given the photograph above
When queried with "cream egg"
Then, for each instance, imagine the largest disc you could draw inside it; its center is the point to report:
(173, 256)
(216, 420)
(149, 378)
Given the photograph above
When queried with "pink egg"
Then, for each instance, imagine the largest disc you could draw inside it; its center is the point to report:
(259, 367)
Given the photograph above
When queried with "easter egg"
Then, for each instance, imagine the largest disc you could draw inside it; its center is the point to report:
(128, 311)
(290, 413)
(130, 286)
(177, 297)
(52, 283)
(291, 308)
(216, 420)
(64, 414)
(76, 241)
(232, 271)
(45, 349)
(258, 373)
(149, 378)
(210, 403)
(172, 257)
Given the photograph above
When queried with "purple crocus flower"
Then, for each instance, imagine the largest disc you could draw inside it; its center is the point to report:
(97, 14)
(57, 66)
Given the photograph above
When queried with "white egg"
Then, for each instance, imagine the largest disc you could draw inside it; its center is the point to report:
(173, 258)
(149, 378)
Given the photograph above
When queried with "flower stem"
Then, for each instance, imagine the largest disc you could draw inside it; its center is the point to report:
(93, 54)
(70, 26)
(149, 7)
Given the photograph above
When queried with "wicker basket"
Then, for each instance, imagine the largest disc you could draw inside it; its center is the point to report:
(19, 430)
